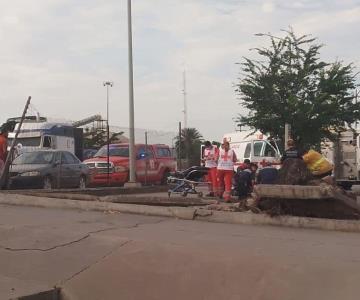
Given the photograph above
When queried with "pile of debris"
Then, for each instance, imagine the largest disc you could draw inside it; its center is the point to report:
(326, 206)
(294, 172)
(298, 193)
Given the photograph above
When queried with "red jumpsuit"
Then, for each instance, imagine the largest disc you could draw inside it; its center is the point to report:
(3, 150)
(210, 157)
(3, 147)
(225, 172)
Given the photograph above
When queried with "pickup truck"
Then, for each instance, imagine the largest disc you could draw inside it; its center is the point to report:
(153, 164)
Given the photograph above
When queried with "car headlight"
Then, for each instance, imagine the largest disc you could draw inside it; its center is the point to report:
(31, 173)
(120, 169)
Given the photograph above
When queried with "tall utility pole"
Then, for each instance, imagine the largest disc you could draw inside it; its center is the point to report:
(146, 157)
(108, 84)
(132, 178)
(179, 149)
(185, 100)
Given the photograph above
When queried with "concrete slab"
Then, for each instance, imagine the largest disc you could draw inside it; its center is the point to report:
(290, 191)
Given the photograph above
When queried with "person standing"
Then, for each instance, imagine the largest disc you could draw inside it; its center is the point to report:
(291, 151)
(211, 154)
(3, 147)
(225, 170)
(4, 130)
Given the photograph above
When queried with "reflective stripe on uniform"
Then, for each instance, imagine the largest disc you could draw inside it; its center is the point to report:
(316, 164)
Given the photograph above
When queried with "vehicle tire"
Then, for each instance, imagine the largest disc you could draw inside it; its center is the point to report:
(48, 183)
(165, 176)
(126, 180)
(82, 183)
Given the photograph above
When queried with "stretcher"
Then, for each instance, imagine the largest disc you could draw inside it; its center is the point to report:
(187, 181)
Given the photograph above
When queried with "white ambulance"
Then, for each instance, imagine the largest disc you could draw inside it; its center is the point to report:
(256, 147)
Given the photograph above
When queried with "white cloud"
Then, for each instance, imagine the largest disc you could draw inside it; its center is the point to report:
(268, 7)
(320, 22)
(10, 20)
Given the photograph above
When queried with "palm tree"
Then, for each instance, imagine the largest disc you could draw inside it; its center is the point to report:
(190, 144)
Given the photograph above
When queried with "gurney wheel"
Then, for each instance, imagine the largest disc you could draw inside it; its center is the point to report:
(200, 194)
(184, 194)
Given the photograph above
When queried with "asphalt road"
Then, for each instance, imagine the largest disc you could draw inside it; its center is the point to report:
(116, 256)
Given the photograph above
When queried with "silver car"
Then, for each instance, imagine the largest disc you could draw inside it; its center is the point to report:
(48, 169)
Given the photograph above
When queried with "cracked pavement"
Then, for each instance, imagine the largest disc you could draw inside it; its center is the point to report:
(94, 255)
(41, 248)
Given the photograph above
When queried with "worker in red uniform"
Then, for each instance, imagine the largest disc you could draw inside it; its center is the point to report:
(3, 147)
(4, 130)
(225, 171)
(211, 154)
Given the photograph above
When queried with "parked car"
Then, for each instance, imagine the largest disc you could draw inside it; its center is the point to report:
(153, 164)
(48, 169)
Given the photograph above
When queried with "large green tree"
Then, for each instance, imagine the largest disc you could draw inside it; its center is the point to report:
(189, 143)
(289, 83)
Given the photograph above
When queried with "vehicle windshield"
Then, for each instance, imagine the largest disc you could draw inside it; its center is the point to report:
(30, 158)
(113, 151)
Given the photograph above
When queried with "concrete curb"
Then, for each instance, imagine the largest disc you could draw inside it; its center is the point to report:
(184, 213)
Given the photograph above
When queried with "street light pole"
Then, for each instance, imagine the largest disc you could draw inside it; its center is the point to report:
(146, 157)
(185, 101)
(108, 84)
(132, 178)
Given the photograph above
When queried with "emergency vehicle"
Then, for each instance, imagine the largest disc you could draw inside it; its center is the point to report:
(257, 147)
(39, 134)
(153, 164)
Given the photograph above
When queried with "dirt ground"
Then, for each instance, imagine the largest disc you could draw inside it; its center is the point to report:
(322, 208)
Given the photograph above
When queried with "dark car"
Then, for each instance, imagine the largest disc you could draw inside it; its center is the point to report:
(48, 169)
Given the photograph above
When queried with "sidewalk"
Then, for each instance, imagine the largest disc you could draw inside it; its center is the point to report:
(185, 213)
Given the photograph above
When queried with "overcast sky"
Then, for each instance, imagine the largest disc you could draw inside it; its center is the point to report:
(61, 51)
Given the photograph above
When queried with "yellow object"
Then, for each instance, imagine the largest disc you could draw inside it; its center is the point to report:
(317, 164)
